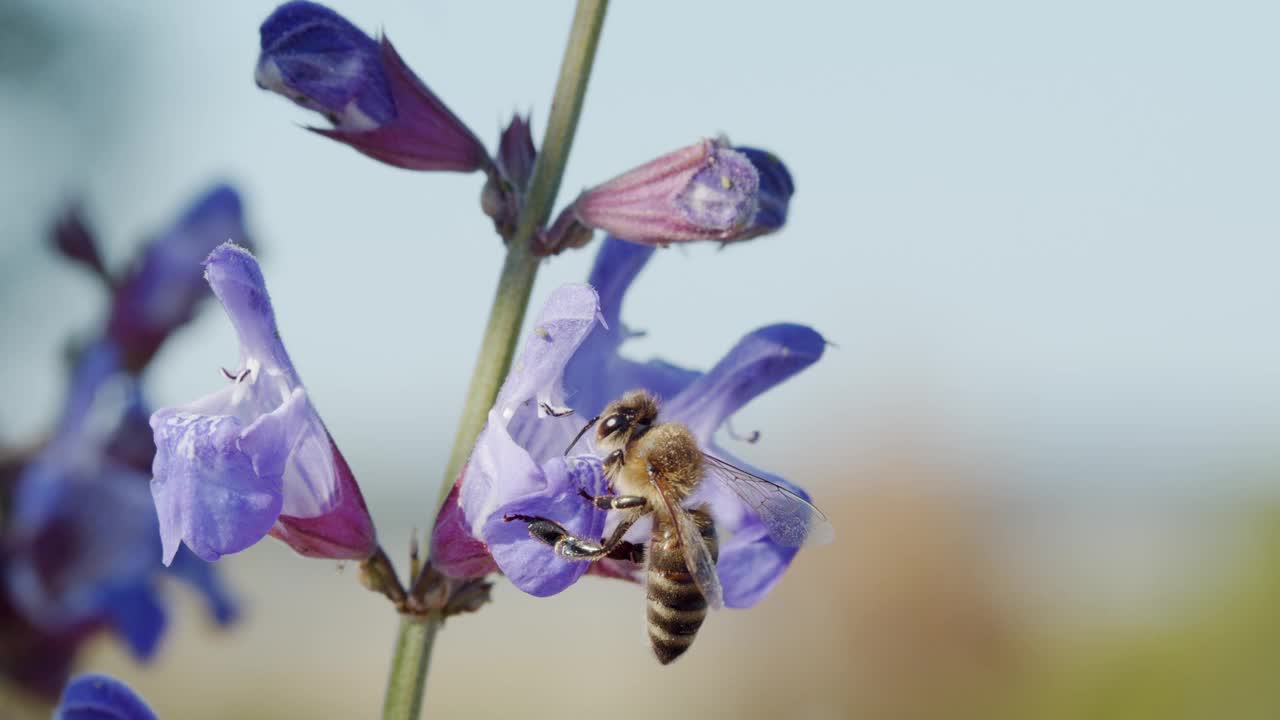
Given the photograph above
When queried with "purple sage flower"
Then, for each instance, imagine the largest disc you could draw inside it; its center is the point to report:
(79, 545)
(161, 289)
(518, 467)
(78, 522)
(707, 191)
(254, 458)
(377, 105)
(570, 360)
(100, 697)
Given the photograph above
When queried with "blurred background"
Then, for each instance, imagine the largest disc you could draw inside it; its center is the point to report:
(1043, 239)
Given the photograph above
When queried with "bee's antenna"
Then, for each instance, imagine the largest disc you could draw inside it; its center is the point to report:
(590, 423)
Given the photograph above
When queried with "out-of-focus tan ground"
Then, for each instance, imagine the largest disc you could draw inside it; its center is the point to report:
(934, 602)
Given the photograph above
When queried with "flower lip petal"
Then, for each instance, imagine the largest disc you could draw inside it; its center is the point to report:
(206, 491)
(750, 565)
(759, 361)
(530, 564)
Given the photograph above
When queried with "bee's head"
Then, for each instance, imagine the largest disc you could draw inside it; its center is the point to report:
(626, 419)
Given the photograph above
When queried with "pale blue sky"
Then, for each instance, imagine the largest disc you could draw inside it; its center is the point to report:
(1044, 233)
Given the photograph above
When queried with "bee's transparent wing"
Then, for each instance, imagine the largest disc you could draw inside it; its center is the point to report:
(792, 521)
(698, 557)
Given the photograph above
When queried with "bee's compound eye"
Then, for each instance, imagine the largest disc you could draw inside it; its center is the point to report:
(612, 424)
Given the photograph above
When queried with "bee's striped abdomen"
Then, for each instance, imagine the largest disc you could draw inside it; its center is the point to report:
(676, 608)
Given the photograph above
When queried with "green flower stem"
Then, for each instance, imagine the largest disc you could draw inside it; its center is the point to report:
(408, 675)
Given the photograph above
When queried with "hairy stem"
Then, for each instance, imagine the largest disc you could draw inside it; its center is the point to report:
(407, 679)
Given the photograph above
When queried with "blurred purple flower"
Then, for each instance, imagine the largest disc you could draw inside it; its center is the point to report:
(160, 291)
(73, 239)
(517, 466)
(317, 58)
(100, 697)
(254, 458)
(707, 191)
(81, 538)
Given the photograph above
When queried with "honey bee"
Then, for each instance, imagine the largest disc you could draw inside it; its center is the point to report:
(655, 467)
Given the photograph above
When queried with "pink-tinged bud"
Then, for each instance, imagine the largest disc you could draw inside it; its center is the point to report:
(707, 191)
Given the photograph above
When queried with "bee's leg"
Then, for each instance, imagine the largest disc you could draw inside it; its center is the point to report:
(628, 552)
(572, 547)
(615, 502)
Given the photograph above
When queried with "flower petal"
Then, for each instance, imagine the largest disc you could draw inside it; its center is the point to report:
(237, 281)
(750, 565)
(135, 613)
(203, 577)
(98, 537)
(568, 316)
(98, 697)
(163, 287)
(551, 492)
(206, 491)
(759, 361)
(597, 374)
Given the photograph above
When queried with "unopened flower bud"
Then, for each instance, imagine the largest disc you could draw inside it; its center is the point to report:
(516, 152)
(707, 191)
(317, 58)
(776, 189)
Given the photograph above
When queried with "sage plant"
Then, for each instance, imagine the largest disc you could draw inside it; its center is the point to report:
(254, 458)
